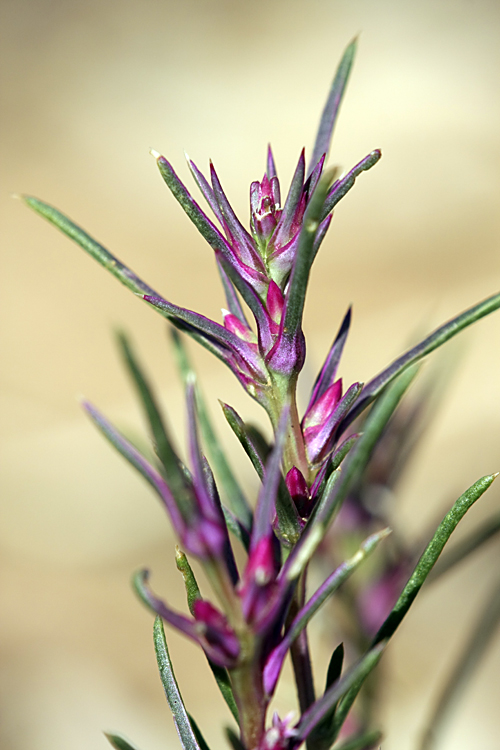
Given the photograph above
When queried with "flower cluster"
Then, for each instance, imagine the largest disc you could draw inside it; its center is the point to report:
(260, 611)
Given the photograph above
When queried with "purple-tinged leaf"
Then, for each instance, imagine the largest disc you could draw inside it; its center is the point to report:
(319, 440)
(285, 224)
(328, 372)
(328, 588)
(330, 112)
(206, 491)
(341, 187)
(237, 528)
(314, 531)
(266, 503)
(232, 299)
(225, 343)
(340, 483)
(194, 629)
(237, 233)
(91, 246)
(313, 179)
(133, 456)
(172, 692)
(271, 166)
(295, 296)
(193, 594)
(436, 339)
(232, 490)
(206, 190)
(243, 275)
(352, 679)
(180, 488)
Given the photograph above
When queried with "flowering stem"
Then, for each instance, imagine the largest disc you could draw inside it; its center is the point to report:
(294, 453)
(249, 694)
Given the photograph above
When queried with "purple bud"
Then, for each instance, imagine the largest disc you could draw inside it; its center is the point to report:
(236, 326)
(264, 207)
(319, 411)
(258, 582)
(299, 491)
(214, 628)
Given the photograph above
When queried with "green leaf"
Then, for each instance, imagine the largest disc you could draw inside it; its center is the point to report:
(239, 428)
(119, 742)
(193, 593)
(174, 472)
(362, 742)
(320, 737)
(311, 607)
(332, 106)
(299, 279)
(190, 583)
(91, 246)
(464, 669)
(466, 547)
(174, 698)
(352, 680)
(431, 554)
(436, 339)
(288, 522)
(232, 490)
(340, 482)
(234, 740)
(417, 578)
(197, 732)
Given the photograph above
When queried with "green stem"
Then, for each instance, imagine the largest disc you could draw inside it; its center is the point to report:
(249, 694)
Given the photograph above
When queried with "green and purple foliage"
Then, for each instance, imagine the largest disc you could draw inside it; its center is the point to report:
(316, 470)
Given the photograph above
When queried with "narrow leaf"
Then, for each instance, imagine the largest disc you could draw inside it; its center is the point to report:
(353, 467)
(174, 698)
(240, 532)
(295, 297)
(232, 490)
(330, 112)
(192, 588)
(193, 593)
(328, 588)
(423, 568)
(464, 669)
(355, 676)
(167, 455)
(466, 547)
(366, 741)
(197, 733)
(329, 370)
(91, 246)
(119, 742)
(341, 187)
(431, 554)
(249, 446)
(133, 456)
(234, 740)
(436, 339)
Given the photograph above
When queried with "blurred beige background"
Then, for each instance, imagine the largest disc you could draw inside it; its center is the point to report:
(87, 89)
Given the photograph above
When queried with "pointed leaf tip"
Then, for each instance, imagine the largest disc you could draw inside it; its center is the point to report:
(155, 154)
